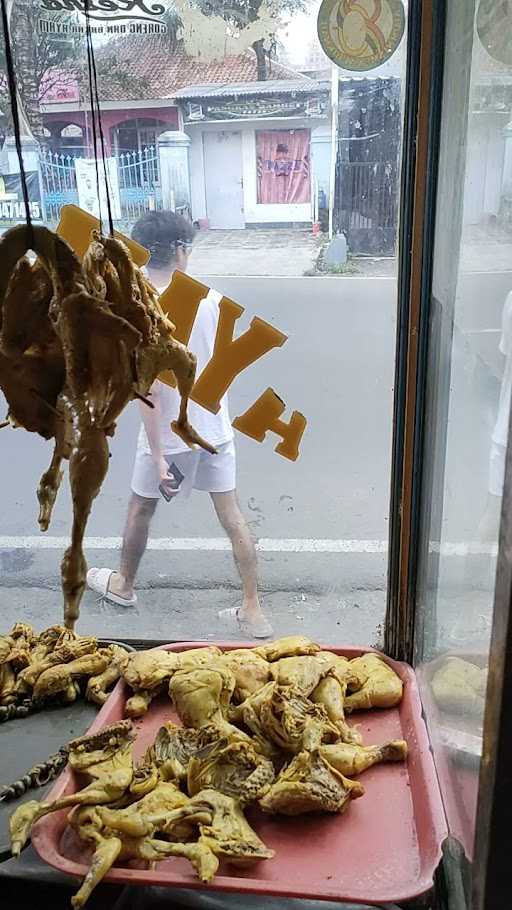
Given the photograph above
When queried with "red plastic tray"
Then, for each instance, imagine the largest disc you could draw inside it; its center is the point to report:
(384, 849)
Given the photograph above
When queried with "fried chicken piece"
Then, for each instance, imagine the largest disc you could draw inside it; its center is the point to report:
(105, 758)
(293, 722)
(331, 692)
(149, 670)
(303, 673)
(23, 635)
(350, 759)
(310, 784)
(459, 686)
(7, 684)
(251, 672)
(98, 686)
(194, 658)
(378, 686)
(292, 646)
(59, 678)
(50, 639)
(202, 697)
(174, 747)
(6, 646)
(129, 834)
(235, 769)
(248, 714)
(64, 653)
(227, 833)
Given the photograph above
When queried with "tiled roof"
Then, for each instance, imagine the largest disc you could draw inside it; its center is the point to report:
(155, 71)
(269, 87)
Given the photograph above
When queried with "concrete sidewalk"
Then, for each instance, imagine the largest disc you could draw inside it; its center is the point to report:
(259, 252)
(174, 614)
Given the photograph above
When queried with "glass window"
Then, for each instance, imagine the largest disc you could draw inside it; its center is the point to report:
(469, 401)
(286, 168)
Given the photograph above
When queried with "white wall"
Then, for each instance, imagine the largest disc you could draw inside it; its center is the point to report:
(254, 212)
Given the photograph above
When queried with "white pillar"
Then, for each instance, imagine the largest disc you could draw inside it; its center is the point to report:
(30, 151)
(173, 153)
(507, 161)
(335, 87)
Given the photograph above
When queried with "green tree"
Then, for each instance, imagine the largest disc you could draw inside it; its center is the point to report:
(41, 61)
(238, 14)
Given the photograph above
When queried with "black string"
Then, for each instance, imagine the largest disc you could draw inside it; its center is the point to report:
(97, 127)
(13, 98)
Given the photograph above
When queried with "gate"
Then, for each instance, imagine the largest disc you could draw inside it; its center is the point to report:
(367, 206)
(59, 183)
(139, 182)
(367, 165)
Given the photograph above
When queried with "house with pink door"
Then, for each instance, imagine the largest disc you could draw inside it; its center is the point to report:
(256, 150)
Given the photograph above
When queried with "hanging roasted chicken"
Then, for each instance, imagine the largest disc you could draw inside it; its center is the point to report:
(77, 343)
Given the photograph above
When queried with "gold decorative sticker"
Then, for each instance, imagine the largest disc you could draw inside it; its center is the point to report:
(494, 28)
(360, 34)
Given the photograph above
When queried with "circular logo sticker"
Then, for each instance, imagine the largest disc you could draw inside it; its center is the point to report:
(494, 27)
(360, 34)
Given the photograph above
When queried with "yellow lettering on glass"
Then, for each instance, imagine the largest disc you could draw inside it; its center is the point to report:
(264, 416)
(75, 227)
(231, 356)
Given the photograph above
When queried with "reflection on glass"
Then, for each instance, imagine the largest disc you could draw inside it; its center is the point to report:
(470, 382)
(286, 171)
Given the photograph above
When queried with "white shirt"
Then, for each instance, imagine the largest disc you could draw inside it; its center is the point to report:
(500, 434)
(215, 428)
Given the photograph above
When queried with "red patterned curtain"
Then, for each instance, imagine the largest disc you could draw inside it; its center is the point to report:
(283, 166)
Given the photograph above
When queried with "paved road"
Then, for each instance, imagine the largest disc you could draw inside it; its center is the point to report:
(337, 367)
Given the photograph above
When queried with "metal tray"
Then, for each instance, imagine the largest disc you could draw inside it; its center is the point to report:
(384, 850)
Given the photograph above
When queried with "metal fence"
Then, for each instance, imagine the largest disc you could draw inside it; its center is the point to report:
(58, 182)
(139, 183)
(366, 206)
